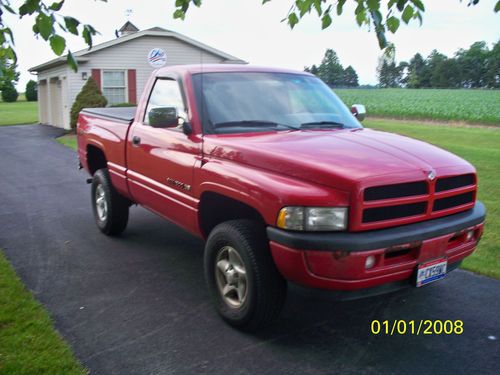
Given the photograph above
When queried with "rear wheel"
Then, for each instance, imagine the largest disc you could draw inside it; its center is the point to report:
(110, 208)
(248, 290)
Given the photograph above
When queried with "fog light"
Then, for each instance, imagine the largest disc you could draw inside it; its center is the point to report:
(370, 262)
(469, 236)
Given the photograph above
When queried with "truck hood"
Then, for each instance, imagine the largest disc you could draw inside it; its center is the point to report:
(337, 158)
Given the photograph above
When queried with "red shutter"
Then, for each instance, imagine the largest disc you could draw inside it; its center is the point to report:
(96, 76)
(132, 86)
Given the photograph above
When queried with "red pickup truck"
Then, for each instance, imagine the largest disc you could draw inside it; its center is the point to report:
(283, 182)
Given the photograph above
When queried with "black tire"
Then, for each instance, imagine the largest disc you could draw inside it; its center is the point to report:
(115, 220)
(265, 289)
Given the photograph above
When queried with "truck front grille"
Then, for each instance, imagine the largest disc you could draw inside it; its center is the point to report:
(393, 212)
(404, 203)
(395, 191)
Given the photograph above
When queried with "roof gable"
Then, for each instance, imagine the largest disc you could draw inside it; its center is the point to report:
(82, 55)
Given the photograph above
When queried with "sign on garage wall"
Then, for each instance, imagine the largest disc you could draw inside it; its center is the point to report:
(157, 58)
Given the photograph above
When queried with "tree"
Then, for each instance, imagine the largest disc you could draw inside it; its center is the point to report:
(389, 73)
(492, 73)
(31, 91)
(416, 68)
(473, 63)
(9, 92)
(8, 71)
(350, 77)
(51, 24)
(89, 97)
(330, 69)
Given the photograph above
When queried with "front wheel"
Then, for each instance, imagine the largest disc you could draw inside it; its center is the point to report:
(248, 290)
(110, 208)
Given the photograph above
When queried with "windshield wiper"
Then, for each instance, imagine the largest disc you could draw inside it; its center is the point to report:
(322, 124)
(252, 123)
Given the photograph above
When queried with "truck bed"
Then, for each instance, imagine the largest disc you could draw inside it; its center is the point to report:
(119, 114)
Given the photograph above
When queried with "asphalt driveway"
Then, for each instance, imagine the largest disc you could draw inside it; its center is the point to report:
(138, 304)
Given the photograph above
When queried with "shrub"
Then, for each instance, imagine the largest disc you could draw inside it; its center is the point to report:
(89, 97)
(9, 92)
(123, 105)
(31, 91)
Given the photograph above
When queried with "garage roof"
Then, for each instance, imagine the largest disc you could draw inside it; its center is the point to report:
(82, 55)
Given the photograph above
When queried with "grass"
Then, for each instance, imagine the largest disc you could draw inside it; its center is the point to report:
(471, 106)
(68, 140)
(481, 147)
(20, 112)
(28, 342)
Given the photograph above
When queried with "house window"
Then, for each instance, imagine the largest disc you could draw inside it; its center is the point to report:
(114, 86)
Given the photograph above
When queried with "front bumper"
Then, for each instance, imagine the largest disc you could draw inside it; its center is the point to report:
(337, 260)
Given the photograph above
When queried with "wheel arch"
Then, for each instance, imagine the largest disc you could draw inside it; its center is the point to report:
(215, 208)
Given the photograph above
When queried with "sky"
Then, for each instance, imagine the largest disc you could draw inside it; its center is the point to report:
(254, 32)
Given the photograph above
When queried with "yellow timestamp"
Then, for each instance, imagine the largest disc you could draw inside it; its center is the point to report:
(417, 327)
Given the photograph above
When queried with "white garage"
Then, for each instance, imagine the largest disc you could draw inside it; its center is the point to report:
(120, 67)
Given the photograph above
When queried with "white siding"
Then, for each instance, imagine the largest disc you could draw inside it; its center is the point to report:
(133, 55)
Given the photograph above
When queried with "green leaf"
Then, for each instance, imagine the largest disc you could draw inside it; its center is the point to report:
(9, 9)
(72, 25)
(33, 6)
(7, 31)
(72, 62)
(317, 6)
(373, 4)
(361, 17)
(304, 6)
(340, 7)
(497, 6)
(419, 5)
(23, 10)
(401, 4)
(326, 21)
(292, 20)
(56, 5)
(58, 44)
(179, 13)
(392, 24)
(45, 25)
(407, 14)
(87, 37)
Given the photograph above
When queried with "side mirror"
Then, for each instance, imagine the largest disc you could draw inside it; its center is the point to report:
(163, 117)
(359, 111)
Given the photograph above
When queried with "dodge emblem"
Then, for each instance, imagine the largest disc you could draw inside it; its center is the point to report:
(431, 175)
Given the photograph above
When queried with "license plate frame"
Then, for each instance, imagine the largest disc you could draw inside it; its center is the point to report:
(430, 271)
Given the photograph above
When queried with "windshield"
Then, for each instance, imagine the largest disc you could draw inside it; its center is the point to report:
(237, 102)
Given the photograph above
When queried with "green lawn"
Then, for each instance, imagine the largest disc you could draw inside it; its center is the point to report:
(481, 147)
(68, 140)
(472, 106)
(20, 112)
(28, 342)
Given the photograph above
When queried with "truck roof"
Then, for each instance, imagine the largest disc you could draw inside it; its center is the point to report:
(217, 68)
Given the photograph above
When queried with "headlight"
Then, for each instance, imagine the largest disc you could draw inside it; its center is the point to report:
(313, 218)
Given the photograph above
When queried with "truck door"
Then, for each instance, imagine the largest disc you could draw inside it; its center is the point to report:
(161, 160)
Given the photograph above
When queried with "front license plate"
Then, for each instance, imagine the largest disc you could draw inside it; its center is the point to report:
(431, 271)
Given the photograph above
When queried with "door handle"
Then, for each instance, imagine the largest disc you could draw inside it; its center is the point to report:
(136, 141)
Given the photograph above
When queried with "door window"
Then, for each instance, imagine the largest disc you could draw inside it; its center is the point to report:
(166, 93)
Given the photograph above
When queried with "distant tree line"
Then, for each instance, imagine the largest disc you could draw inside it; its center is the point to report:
(476, 67)
(333, 73)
